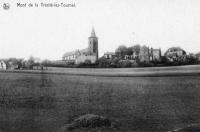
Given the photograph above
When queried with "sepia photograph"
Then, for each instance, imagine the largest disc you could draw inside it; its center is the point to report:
(100, 66)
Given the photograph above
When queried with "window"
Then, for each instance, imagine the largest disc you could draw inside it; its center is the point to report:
(94, 47)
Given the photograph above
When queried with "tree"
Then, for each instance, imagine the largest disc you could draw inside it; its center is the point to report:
(130, 50)
(136, 49)
(87, 62)
(125, 63)
(31, 62)
(17, 63)
(192, 59)
(46, 62)
(173, 51)
(20, 63)
(121, 51)
(103, 62)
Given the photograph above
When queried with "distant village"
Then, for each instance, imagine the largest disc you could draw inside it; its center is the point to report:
(123, 57)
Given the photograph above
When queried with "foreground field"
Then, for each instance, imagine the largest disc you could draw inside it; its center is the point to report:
(31, 102)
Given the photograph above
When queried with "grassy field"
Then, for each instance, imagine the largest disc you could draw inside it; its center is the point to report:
(43, 102)
(123, 72)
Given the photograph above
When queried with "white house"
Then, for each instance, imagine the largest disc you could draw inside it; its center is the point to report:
(3, 65)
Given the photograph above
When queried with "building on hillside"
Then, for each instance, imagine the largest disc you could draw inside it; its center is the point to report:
(130, 57)
(135, 55)
(144, 55)
(3, 65)
(80, 56)
(109, 55)
(173, 53)
(155, 54)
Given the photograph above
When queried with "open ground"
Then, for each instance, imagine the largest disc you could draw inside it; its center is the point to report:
(141, 99)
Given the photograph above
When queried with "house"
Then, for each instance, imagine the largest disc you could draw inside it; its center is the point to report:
(173, 53)
(12, 66)
(144, 55)
(109, 55)
(135, 55)
(155, 54)
(3, 65)
(129, 57)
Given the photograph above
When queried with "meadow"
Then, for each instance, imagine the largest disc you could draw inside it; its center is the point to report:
(37, 101)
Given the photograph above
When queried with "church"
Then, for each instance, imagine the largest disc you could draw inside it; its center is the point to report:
(80, 56)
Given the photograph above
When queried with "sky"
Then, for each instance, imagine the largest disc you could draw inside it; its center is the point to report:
(49, 32)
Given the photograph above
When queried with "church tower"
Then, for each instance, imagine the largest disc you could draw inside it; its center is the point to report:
(93, 44)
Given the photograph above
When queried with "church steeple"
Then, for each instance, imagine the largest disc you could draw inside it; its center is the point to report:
(93, 32)
(93, 44)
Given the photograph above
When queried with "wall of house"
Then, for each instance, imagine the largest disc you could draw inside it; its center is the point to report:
(82, 58)
(109, 55)
(144, 55)
(156, 55)
(179, 53)
(70, 57)
(3, 66)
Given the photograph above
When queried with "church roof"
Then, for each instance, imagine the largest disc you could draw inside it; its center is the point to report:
(76, 52)
(83, 51)
(70, 53)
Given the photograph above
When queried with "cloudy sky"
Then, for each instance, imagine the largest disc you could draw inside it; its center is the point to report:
(50, 32)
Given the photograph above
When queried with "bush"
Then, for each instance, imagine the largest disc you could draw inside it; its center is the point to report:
(87, 62)
(104, 63)
(89, 121)
(125, 63)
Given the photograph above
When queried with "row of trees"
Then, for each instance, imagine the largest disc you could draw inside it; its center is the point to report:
(122, 50)
(102, 63)
(116, 62)
(18, 63)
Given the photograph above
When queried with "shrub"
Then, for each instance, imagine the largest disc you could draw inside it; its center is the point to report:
(103, 62)
(87, 62)
(125, 63)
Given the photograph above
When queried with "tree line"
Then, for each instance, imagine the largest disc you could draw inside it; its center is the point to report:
(118, 61)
